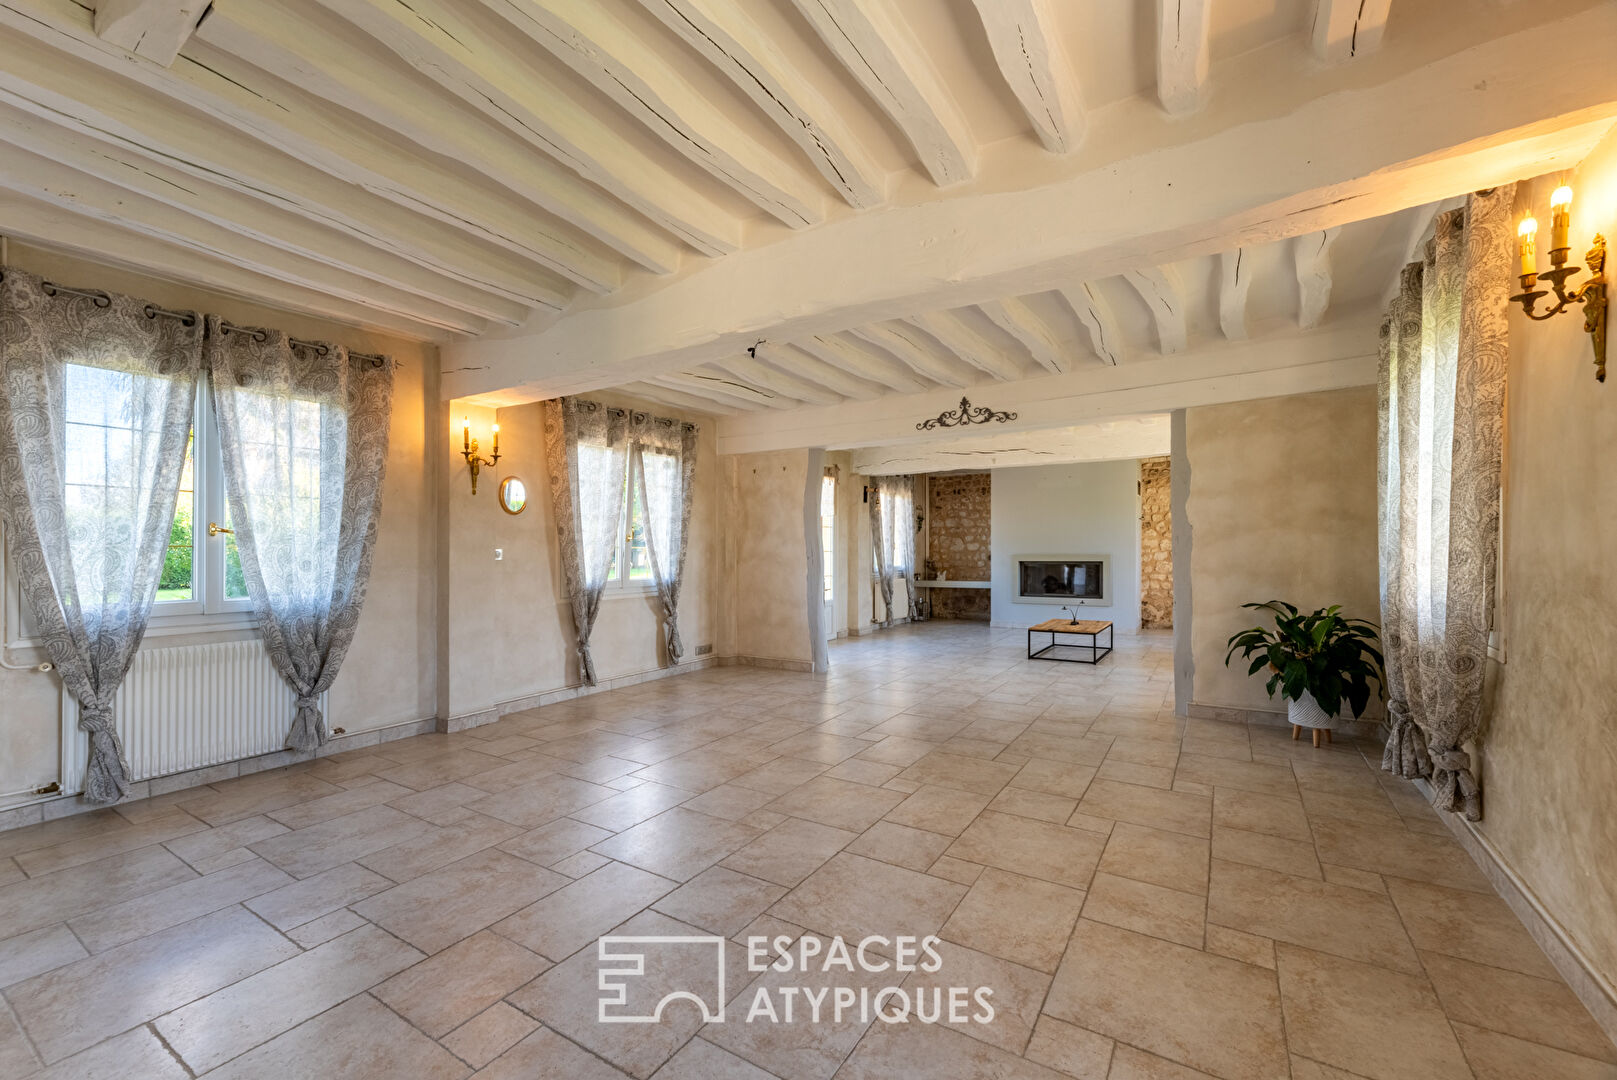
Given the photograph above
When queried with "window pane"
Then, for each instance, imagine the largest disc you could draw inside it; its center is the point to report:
(639, 558)
(179, 562)
(235, 584)
(828, 518)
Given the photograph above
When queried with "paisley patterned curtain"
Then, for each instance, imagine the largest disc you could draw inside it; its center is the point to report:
(586, 445)
(304, 433)
(892, 533)
(1444, 346)
(96, 401)
(662, 462)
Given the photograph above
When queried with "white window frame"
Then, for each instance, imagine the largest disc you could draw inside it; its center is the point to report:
(620, 584)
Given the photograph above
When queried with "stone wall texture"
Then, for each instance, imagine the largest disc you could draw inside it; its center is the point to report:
(958, 514)
(1156, 545)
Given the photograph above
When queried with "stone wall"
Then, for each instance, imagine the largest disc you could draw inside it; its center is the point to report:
(959, 509)
(1156, 545)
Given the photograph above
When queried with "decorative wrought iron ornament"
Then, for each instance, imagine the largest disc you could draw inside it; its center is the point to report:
(965, 415)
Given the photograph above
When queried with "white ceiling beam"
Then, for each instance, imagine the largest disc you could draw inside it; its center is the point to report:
(918, 352)
(1017, 319)
(885, 59)
(722, 388)
(1164, 293)
(725, 34)
(1183, 31)
(48, 225)
(1102, 440)
(1165, 197)
(643, 81)
(236, 213)
(1034, 67)
(1344, 29)
(1234, 279)
(155, 29)
(1094, 312)
(1340, 355)
(257, 143)
(859, 359)
(967, 344)
(480, 69)
(793, 360)
(752, 370)
(44, 180)
(315, 56)
(1312, 256)
(675, 399)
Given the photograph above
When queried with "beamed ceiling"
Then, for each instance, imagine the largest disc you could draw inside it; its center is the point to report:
(769, 206)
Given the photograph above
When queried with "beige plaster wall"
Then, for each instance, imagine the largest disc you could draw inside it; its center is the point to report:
(509, 623)
(1282, 505)
(1548, 760)
(390, 673)
(766, 556)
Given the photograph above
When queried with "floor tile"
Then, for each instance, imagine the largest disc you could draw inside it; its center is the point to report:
(448, 989)
(964, 773)
(1031, 848)
(545, 1055)
(677, 843)
(306, 852)
(136, 1053)
(789, 852)
(1070, 1050)
(1540, 1010)
(574, 915)
(720, 901)
(1397, 852)
(158, 910)
(841, 804)
(1495, 1056)
(1469, 925)
(552, 842)
(1147, 909)
(1021, 919)
(489, 1034)
(29, 905)
(1017, 994)
(1268, 814)
(1176, 811)
(531, 805)
(702, 1060)
(939, 809)
(900, 845)
(1294, 857)
(311, 898)
(360, 1036)
(38, 951)
(1173, 860)
(854, 896)
(936, 1052)
(438, 909)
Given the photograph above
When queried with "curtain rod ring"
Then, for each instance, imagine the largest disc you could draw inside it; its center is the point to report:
(100, 299)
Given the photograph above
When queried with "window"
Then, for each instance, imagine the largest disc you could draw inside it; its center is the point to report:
(828, 532)
(631, 550)
(201, 573)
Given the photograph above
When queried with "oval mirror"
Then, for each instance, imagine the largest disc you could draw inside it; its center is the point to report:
(513, 495)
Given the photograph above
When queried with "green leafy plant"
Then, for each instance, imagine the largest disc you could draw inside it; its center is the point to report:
(1322, 653)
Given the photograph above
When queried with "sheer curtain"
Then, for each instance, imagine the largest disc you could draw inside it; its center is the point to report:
(304, 433)
(96, 400)
(892, 534)
(662, 460)
(1444, 346)
(586, 446)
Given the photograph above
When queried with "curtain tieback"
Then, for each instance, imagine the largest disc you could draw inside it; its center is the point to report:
(1405, 753)
(95, 718)
(308, 726)
(308, 701)
(1455, 787)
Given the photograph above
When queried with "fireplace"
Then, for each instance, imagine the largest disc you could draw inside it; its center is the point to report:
(1064, 579)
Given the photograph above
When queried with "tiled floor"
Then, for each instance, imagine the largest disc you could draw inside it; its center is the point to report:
(1149, 898)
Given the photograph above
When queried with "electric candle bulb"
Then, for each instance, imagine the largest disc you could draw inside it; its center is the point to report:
(1525, 233)
(496, 438)
(465, 434)
(1560, 217)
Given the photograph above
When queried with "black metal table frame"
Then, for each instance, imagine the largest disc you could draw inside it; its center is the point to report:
(1095, 651)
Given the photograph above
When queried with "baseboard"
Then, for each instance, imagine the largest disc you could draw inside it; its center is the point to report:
(1592, 988)
(1359, 729)
(777, 664)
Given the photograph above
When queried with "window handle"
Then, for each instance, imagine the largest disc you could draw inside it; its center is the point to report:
(214, 529)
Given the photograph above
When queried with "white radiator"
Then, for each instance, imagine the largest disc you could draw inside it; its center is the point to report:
(189, 707)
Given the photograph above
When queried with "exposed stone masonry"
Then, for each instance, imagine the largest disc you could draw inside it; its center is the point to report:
(1156, 545)
(958, 512)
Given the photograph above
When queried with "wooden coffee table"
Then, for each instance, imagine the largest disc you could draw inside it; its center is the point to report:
(1090, 628)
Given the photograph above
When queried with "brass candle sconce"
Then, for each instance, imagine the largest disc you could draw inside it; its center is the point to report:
(1591, 294)
(468, 449)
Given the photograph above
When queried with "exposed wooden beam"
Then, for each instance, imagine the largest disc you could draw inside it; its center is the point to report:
(678, 400)
(894, 70)
(1344, 29)
(1164, 294)
(754, 371)
(791, 359)
(1370, 155)
(1101, 440)
(1032, 63)
(722, 388)
(258, 142)
(725, 34)
(155, 29)
(858, 358)
(1234, 279)
(966, 343)
(1182, 52)
(918, 352)
(1312, 256)
(42, 179)
(333, 66)
(640, 78)
(236, 213)
(1016, 318)
(1095, 313)
(480, 69)
(50, 226)
(1340, 355)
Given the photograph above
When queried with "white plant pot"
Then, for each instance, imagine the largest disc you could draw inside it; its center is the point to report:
(1306, 712)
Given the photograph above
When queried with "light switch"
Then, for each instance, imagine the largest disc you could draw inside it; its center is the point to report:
(499, 554)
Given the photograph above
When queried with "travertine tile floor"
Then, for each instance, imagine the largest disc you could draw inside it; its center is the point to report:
(1149, 898)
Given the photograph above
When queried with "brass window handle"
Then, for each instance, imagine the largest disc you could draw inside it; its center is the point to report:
(214, 529)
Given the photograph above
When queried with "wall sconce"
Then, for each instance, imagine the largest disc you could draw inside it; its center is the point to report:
(1591, 294)
(468, 449)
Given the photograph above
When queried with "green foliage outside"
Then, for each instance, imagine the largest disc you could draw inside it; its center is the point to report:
(175, 584)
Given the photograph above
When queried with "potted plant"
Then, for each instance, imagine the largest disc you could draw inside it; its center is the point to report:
(1318, 662)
